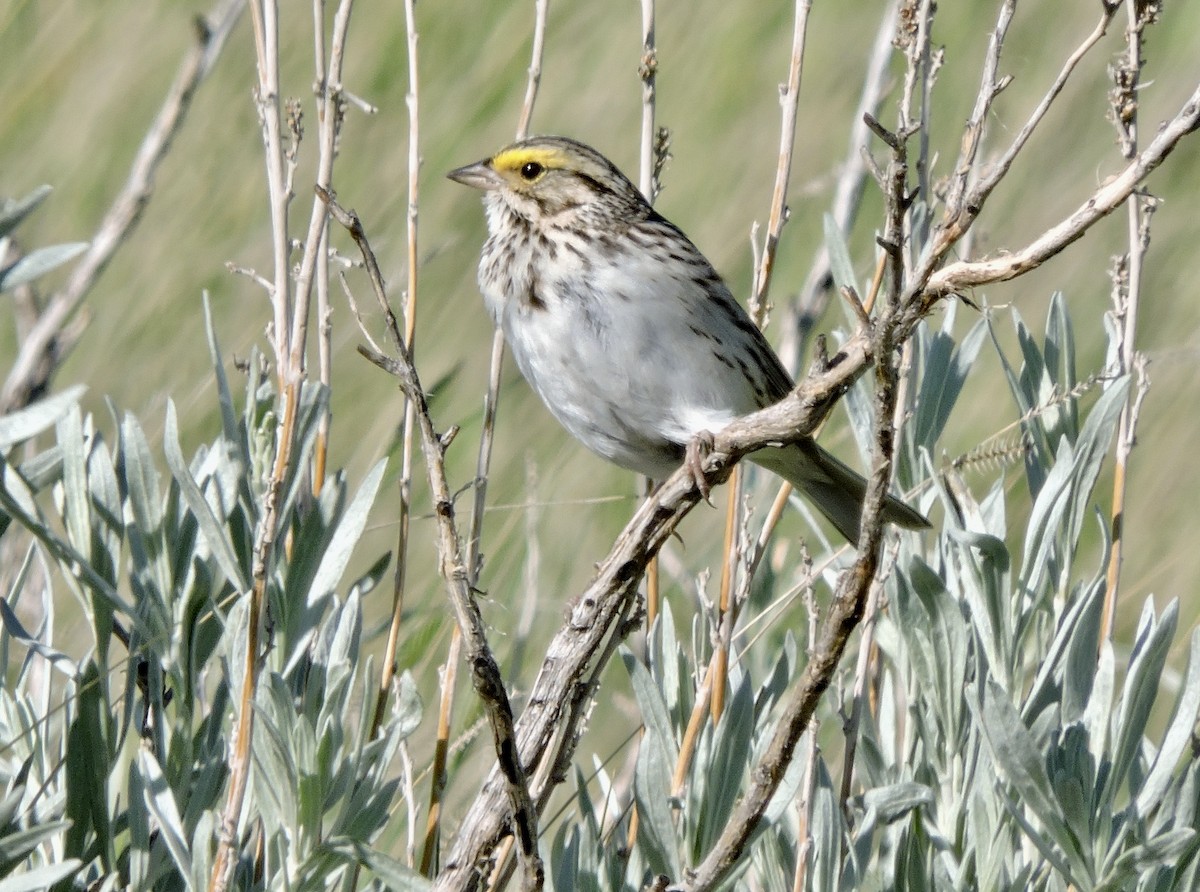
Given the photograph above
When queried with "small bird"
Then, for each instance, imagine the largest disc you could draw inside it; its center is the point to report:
(625, 330)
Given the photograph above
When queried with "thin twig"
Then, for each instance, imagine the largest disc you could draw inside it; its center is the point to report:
(789, 98)
(482, 470)
(647, 72)
(866, 649)
(264, 17)
(409, 340)
(541, 9)
(804, 804)
(329, 120)
(961, 207)
(810, 303)
(1127, 298)
(989, 88)
(485, 673)
(963, 275)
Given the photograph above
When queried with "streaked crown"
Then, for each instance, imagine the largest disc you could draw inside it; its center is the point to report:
(546, 175)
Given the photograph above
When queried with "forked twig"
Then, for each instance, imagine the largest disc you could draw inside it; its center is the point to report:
(962, 275)
(480, 483)
(485, 673)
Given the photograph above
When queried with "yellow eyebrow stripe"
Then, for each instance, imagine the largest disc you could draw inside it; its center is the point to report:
(514, 159)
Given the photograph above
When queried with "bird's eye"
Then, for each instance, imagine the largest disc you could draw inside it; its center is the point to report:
(531, 170)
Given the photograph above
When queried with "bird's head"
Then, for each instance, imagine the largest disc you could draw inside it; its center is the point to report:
(548, 178)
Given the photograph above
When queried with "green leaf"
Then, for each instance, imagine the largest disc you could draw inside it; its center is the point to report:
(141, 479)
(654, 710)
(1061, 503)
(1150, 649)
(942, 379)
(391, 873)
(160, 800)
(729, 762)
(13, 211)
(896, 800)
(827, 834)
(657, 755)
(87, 769)
(16, 631)
(213, 531)
(1069, 659)
(346, 536)
(20, 843)
(25, 424)
(18, 502)
(41, 878)
(1178, 738)
(37, 263)
(1019, 760)
(229, 419)
(77, 513)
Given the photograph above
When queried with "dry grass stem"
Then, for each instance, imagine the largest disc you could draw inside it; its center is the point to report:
(1127, 297)
(789, 99)
(540, 11)
(813, 297)
(648, 72)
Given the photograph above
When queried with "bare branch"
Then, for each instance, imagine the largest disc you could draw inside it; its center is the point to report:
(24, 378)
(1127, 293)
(485, 673)
(789, 98)
(966, 274)
(989, 88)
(814, 294)
(648, 71)
(962, 211)
(329, 120)
(264, 16)
(541, 8)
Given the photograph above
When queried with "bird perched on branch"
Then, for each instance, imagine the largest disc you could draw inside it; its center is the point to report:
(625, 330)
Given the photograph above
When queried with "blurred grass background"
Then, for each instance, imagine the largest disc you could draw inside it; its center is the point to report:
(82, 81)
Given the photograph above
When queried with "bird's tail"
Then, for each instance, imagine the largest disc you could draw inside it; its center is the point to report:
(833, 489)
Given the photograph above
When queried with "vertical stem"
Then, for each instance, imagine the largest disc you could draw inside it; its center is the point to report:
(264, 15)
(540, 10)
(862, 676)
(805, 802)
(1126, 310)
(314, 265)
(647, 71)
(482, 467)
(726, 616)
(265, 23)
(789, 98)
(653, 590)
(399, 582)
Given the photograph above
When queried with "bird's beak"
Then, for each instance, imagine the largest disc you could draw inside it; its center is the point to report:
(480, 175)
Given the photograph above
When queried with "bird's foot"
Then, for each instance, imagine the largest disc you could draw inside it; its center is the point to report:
(698, 449)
